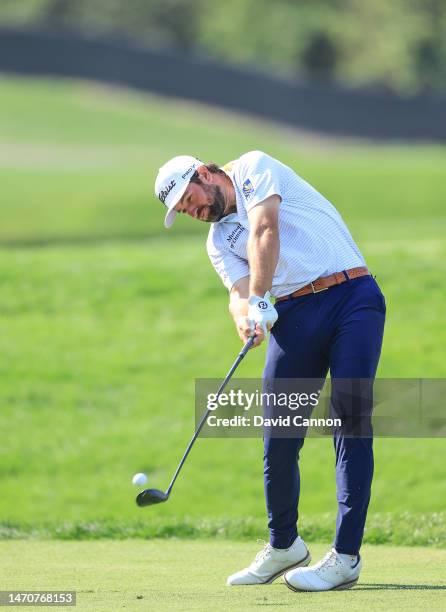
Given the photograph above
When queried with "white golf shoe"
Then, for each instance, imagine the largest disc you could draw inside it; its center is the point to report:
(334, 573)
(270, 563)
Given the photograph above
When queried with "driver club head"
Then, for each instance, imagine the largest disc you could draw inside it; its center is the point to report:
(149, 497)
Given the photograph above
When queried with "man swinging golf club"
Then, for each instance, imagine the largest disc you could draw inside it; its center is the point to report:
(272, 233)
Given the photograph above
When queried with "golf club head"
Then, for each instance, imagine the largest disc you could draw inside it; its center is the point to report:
(149, 497)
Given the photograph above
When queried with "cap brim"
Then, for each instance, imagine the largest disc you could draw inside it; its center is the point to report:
(170, 218)
(171, 213)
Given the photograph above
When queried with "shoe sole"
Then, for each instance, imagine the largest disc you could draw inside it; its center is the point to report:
(341, 587)
(302, 563)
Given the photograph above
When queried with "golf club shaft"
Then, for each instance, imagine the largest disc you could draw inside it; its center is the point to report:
(234, 366)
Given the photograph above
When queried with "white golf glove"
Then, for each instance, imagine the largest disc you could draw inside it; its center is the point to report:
(261, 312)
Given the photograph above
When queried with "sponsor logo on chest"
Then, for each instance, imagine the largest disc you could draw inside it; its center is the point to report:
(235, 235)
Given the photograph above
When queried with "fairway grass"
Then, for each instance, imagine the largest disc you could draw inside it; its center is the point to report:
(178, 575)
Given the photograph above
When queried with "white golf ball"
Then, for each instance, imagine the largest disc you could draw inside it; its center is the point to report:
(139, 479)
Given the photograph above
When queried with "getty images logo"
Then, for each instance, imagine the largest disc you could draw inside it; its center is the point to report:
(165, 192)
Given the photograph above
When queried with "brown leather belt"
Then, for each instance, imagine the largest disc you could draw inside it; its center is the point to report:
(325, 282)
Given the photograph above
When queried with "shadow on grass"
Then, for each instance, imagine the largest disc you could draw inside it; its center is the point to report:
(389, 586)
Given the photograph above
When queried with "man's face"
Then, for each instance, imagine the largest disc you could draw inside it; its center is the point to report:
(204, 201)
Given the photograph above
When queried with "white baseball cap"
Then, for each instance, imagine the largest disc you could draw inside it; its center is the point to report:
(172, 181)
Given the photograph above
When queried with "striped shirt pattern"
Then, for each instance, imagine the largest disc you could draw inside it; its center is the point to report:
(314, 240)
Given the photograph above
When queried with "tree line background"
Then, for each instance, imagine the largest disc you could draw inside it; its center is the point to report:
(379, 45)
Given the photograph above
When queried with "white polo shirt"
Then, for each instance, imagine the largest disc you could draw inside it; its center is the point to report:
(314, 240)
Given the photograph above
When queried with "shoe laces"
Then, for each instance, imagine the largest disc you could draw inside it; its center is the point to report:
(330, 560)
(264, 553)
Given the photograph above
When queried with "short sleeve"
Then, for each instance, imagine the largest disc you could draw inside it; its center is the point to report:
(228, 265)
(259, 178)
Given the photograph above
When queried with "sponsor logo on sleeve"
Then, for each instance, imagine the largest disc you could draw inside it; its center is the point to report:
(248, 189)
(165, 192)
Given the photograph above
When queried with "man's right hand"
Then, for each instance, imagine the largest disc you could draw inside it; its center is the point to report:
(238, 307)
(244, 331)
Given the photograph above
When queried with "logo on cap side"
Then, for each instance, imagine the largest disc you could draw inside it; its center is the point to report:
(188, 171)
(165, 192)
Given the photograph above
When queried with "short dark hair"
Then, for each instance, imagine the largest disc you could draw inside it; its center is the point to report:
(213, 168)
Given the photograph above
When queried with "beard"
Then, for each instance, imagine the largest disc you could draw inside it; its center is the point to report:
(215, 210)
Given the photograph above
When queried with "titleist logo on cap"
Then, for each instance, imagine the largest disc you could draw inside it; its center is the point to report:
(165, 192)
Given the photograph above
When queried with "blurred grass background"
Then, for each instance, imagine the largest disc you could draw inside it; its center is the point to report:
(107, 319)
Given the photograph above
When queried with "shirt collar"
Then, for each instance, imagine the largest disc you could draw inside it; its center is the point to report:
(228, 218)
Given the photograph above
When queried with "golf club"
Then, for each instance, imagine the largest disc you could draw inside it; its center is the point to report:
(149, 497)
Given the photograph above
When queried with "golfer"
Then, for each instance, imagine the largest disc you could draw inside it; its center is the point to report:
(273, 234)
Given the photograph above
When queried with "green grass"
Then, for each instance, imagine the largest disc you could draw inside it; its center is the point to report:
(78, 161)
(175, 575)
(98, 383)
(408, 529)
(103, 333)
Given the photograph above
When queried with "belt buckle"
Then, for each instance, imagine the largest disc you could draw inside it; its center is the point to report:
(317, 290)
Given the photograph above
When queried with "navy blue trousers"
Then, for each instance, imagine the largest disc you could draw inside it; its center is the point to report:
(340, 330)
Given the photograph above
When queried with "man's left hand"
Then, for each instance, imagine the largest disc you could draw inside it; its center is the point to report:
(261, 312)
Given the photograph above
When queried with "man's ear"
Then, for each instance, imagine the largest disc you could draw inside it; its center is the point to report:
(205, 175)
